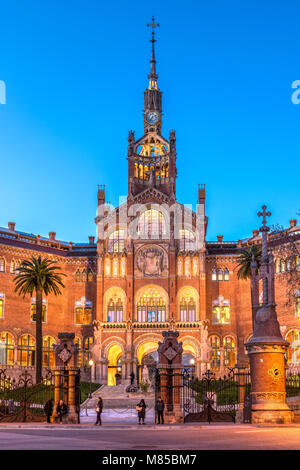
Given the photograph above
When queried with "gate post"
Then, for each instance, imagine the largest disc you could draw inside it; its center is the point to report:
(66, 371)
(170, 365)
(241, 372)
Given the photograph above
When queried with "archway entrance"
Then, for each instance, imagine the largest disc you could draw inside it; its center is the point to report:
(147, 357)
(114, 367)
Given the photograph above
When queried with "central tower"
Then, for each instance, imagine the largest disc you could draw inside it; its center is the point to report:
(152, 158)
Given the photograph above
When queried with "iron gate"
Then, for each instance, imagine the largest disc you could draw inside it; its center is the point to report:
(210, 399)
(23, 401)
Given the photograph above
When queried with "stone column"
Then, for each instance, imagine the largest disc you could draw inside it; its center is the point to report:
(58, 373)
(72, 414)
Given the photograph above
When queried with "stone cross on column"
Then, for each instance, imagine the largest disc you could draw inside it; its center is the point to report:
(264, 229)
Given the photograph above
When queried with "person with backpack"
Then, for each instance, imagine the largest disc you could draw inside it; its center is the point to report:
(141, 409)
(99, 408)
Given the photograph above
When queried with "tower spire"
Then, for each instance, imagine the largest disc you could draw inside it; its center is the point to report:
(153, 75)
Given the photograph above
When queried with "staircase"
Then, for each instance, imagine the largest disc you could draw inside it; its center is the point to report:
(115, 396)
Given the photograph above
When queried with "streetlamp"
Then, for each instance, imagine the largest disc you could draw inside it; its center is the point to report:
(91, 362)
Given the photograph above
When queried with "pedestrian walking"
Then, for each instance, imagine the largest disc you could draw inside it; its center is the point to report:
(160, 406)
(141, 409)
(61, 410)
(99, 408)
(48, 408)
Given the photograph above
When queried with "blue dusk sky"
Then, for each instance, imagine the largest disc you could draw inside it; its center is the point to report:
(75, 73)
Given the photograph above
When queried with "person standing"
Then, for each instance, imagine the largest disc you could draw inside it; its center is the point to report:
(48, 408)
(141, 409)
(132, 376)
(99, 408)
(160, 406)
(61, 410)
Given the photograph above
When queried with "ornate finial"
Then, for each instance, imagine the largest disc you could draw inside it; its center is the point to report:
(264, 214)
(153, 75)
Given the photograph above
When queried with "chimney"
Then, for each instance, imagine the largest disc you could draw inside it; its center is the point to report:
(255, 233)
(52, 235)
(220, 238)
(239, 244)
(92, 240)
(70, 246)
(11, 226)
(101, 194)
(201, 193)
(293, 223)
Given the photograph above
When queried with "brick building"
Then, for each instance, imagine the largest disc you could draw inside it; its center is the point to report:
(150, 268)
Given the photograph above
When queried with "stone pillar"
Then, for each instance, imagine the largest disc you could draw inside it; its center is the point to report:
(73, 412)
(267, 348)
(58, 374)
(170, 365)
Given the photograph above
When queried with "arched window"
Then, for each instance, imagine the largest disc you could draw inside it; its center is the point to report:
(297, 305)
(151, 307)
(293, 352)
(116, 241)
(77, 276)
(14, 265)
(221, 313)
(186, 240)
(214, 275)
(48, 353)
(87, 345)
(187, 308)
(226, 274)
(84, 275)
(2, 265)
(1, 306)
(215, 353)
(33, 311)
(77, 341)
(115, 310)
(6, 348)
(26, 351)
(282, 265)
(229, 351)
(90, 276)
(220, 275)
(151, 224)
(277, 266)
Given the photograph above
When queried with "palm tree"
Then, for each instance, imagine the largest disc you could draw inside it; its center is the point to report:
(245, 260)
(40, 276)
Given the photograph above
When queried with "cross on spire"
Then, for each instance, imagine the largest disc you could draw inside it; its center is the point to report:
(264, 214)
(153, 75)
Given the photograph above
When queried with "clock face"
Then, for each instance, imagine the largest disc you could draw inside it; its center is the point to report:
(152, 117)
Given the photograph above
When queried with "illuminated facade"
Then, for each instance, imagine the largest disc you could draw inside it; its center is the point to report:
(150, 269)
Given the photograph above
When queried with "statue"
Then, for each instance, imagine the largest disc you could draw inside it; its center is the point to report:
(145, 374)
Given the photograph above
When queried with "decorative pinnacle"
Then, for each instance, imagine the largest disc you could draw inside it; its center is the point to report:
(264, 214)
(153, 74)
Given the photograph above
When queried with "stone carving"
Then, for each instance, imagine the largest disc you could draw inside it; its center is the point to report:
(170, 353)
(65, 355)
(275, 373)
(150, 261)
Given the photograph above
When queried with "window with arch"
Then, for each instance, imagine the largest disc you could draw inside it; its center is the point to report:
(33, 311)
(116, 241)
(2, 265)
(1, 306)
(78, 276)
(226, 274)
(220, 274)
(77, 342)
(293, 352)
(229, 351)
(84, 275)
(186, 240)
(14, 265)
(115, 310)
(151, 307)
(297, 305)
(187, 307)
(215, 352)
(221, 312)
(48, 353)
(87, 345)
(26, 351)
(214, 274)
(6, 348)
(151, 224)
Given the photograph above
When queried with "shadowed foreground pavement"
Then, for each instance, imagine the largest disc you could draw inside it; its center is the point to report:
(112, 437)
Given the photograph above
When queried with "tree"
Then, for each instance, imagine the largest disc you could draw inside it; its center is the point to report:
(245, 259)
(39, 276)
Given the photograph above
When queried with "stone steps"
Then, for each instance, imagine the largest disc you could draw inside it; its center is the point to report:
(116, 397)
